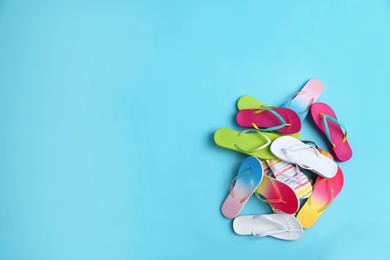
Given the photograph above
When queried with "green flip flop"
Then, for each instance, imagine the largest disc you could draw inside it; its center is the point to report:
(250, 141)
(249, 102)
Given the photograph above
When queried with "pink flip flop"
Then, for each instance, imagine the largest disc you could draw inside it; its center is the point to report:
(301, 101)
(243, 186)
(325, 190)
(278, 194)
(282, 120)
(332, 129)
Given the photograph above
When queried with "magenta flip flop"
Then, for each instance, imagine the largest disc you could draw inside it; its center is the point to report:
(282, 120)
(332, 129)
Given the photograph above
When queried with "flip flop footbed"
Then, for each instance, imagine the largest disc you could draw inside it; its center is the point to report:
(269, 119)
(247, 181)
(282, 226)
(342, 150)
(309, 94)
(324, 193)
(291, 175)
(292, 150)
(279, 195)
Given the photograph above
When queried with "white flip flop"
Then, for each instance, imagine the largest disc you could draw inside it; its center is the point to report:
(293, 150)
(279, 225)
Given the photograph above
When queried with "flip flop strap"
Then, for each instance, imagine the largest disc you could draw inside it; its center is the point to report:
(311, 101)
(311, 143)
(270, 201)
(297, 179)
(266, 107)
(277, 115)
(253, 131)
(280, 226)
(249, 171)
(273, 232)
(289, 154)
(327, 132)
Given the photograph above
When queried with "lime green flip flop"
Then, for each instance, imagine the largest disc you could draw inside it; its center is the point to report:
(249, 102)
(251, 141)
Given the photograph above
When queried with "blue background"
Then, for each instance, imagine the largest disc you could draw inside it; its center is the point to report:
(108, 110)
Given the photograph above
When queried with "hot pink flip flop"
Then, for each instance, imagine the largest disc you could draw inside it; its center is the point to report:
(325, 190)
(282, 120)
(332, 129)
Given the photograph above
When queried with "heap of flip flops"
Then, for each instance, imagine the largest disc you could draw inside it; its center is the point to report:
(281, 168)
